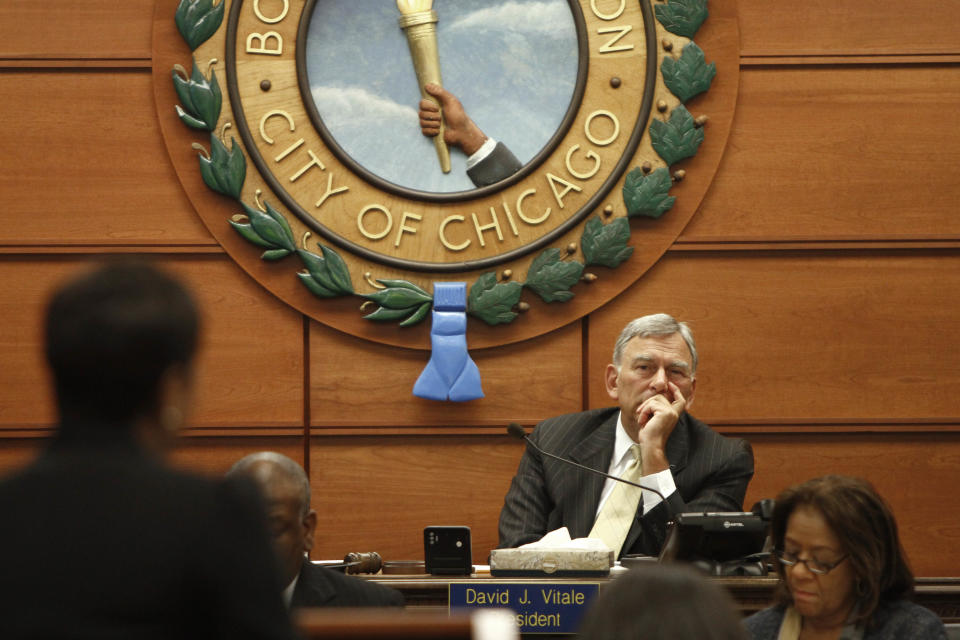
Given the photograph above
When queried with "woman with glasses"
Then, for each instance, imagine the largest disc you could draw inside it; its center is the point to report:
(843, 572)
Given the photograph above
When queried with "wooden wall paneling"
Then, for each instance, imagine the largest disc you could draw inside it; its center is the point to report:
(83, 162)
(249, 369)
(25, 397)
(916, 473)
(848, 27)
(251, 372)
(65, 29)
(359, 384)
(795, 338)
(377, 494)
(838, 153)
(215, 456)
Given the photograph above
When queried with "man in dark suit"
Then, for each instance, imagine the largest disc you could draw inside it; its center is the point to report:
(292, 523)
(99, 539)
(653, 380)
(488, 161)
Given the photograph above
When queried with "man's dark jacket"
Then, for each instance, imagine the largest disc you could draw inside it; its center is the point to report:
(319, 586)
(711, 473)
(100, 540)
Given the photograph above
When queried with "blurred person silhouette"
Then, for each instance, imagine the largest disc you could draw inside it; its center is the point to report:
(292, 524)
(843, 572)
(662, 602)
(100, 539)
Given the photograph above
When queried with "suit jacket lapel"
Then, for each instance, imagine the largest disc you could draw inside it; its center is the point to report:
(595, 452)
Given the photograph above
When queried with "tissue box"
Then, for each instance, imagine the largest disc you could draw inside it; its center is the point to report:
(558, 563)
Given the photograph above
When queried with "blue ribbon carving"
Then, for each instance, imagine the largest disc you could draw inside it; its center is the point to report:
(450, 374)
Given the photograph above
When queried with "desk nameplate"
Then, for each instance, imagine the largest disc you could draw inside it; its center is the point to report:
(553, 606)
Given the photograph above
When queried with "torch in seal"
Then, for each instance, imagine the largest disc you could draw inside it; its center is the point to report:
(419, 22)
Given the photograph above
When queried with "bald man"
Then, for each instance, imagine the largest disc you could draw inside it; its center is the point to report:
(292, 523)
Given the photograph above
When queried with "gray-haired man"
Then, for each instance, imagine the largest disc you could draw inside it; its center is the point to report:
(649, 437)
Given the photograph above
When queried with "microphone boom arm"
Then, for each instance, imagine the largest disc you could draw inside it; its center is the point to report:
(517, 431)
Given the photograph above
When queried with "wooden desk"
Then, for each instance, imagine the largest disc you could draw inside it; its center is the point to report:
(940, 595)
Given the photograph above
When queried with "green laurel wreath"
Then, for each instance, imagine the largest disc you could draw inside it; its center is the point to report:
(553, 272)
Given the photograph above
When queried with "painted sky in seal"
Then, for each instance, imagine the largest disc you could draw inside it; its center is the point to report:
(513, 64)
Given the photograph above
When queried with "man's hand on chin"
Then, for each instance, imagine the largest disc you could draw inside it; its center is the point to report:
(657, 417)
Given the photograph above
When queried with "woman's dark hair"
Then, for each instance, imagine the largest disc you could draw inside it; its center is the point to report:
(864, 524)
(111, 334)
(662, 602)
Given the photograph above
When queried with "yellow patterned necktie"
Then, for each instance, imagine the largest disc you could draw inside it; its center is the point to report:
(615, 519)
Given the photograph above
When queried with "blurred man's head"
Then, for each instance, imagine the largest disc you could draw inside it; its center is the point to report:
(119, 341)
(290, 519)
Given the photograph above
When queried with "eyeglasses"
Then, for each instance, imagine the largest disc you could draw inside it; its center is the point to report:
(814, 566)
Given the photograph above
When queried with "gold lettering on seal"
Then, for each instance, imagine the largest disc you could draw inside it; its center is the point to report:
(443, 234)
(587, 127)
(270, 114)
(608, 16)
(608, 46)
(583, 175)
(523, 196)
(263, 18)
(403, 226)
(362, 225)
(264, 39)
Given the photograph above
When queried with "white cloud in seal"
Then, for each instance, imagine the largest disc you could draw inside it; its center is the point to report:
(355, 106)
(540, 18)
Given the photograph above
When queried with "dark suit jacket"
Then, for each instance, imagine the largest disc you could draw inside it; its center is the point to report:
(99, 540)
(500, 164)
(711, 473)
(318, 586)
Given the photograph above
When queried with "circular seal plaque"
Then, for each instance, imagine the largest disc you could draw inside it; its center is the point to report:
(295, 128)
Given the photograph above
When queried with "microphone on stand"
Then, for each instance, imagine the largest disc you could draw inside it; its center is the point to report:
(517, 431)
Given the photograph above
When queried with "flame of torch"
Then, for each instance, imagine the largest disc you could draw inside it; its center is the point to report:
(419, 23)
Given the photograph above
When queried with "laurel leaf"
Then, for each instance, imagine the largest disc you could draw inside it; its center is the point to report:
(181, 84)
(678, 137)
(247, 232)
(315, 287)
(224, 171)
(337, 269)
(682, 17)
(317, 268)
(274, 254)
(206, 96)
(493, 301)
(404, 284)
(551, 278)
(277, 217)
(417, 316)
(648, 195)
(189, 120)
(197, 20)
(269, 229)
(382, 314)
(398, 298)
(690, 74)
(606, 244)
